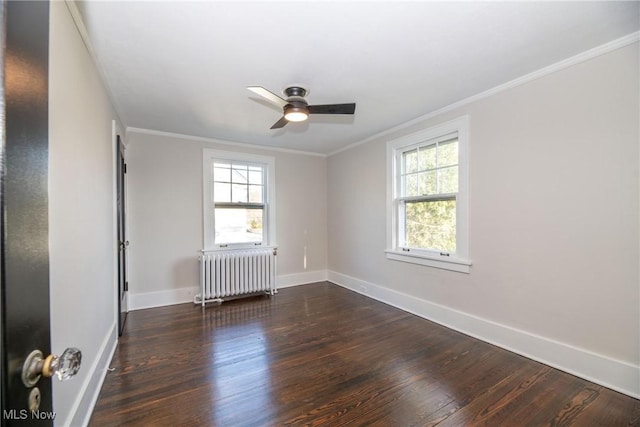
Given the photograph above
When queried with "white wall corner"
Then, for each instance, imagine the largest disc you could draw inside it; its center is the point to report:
(296, 279)
(82, 408)
(611, 373)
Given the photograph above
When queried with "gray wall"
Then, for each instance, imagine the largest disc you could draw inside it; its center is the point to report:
(165, 213)
(553, 216)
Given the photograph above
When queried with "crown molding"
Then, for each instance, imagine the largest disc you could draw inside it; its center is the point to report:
(220, 141)
(561, 65)
(76, 16)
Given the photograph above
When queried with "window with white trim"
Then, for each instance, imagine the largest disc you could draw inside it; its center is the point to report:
(238, 200)
(428, 186)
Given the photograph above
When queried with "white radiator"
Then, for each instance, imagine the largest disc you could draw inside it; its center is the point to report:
(236, 273)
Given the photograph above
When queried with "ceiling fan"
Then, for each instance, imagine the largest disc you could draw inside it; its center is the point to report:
(296, 108)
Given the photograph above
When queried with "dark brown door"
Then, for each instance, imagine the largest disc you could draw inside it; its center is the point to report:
(24, 281)
(123, 243)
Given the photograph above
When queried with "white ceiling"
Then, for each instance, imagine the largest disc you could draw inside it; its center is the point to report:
(183, 67)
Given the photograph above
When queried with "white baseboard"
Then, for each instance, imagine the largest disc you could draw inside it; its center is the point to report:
(144, 300)
(296, 279)
(82, 408)
(140, 301)
(611, 373)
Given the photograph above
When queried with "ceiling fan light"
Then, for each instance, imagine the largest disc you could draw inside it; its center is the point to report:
(296, 114)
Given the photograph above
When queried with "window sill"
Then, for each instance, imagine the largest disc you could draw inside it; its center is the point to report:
(453, 264)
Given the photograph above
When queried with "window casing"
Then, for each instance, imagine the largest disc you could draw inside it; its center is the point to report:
(238, 200)
(427, 197)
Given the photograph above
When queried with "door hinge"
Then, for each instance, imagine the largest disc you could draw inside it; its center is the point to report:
(126, 286)
(124, 168)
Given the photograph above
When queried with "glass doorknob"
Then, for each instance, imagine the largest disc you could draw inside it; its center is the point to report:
(64, 366)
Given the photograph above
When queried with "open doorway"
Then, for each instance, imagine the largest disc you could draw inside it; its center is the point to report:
(123, 243)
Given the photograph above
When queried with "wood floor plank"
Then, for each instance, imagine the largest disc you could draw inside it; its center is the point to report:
(321, 355)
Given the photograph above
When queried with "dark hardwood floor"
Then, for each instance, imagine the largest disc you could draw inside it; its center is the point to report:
(322, 355)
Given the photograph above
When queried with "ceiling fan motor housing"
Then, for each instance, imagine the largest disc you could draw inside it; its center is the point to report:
(296, 103)
(296, 106)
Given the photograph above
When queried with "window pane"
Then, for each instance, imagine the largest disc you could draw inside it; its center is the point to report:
(222, 173)
(448, 180)
(411, 185)
(410, 161)
(239, 193)
(239, 174)
(431, 225)
(448, 153)
(427, 183)
(427, 157)
(255, 193)
(238, 225)
(255, 176)
(221, 192)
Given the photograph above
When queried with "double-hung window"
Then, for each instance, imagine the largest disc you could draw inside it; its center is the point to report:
(238, 200)
(427, 179)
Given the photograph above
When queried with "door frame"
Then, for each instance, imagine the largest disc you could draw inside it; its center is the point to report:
(116, 138)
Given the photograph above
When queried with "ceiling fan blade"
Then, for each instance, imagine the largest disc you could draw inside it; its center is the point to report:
(280, 123)
(259, 90)
(333, 109)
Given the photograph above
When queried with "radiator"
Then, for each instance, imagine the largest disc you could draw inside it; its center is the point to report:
(236, 273)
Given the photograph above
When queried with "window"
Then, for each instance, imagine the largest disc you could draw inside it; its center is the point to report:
(427, 186)
(238, 200)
